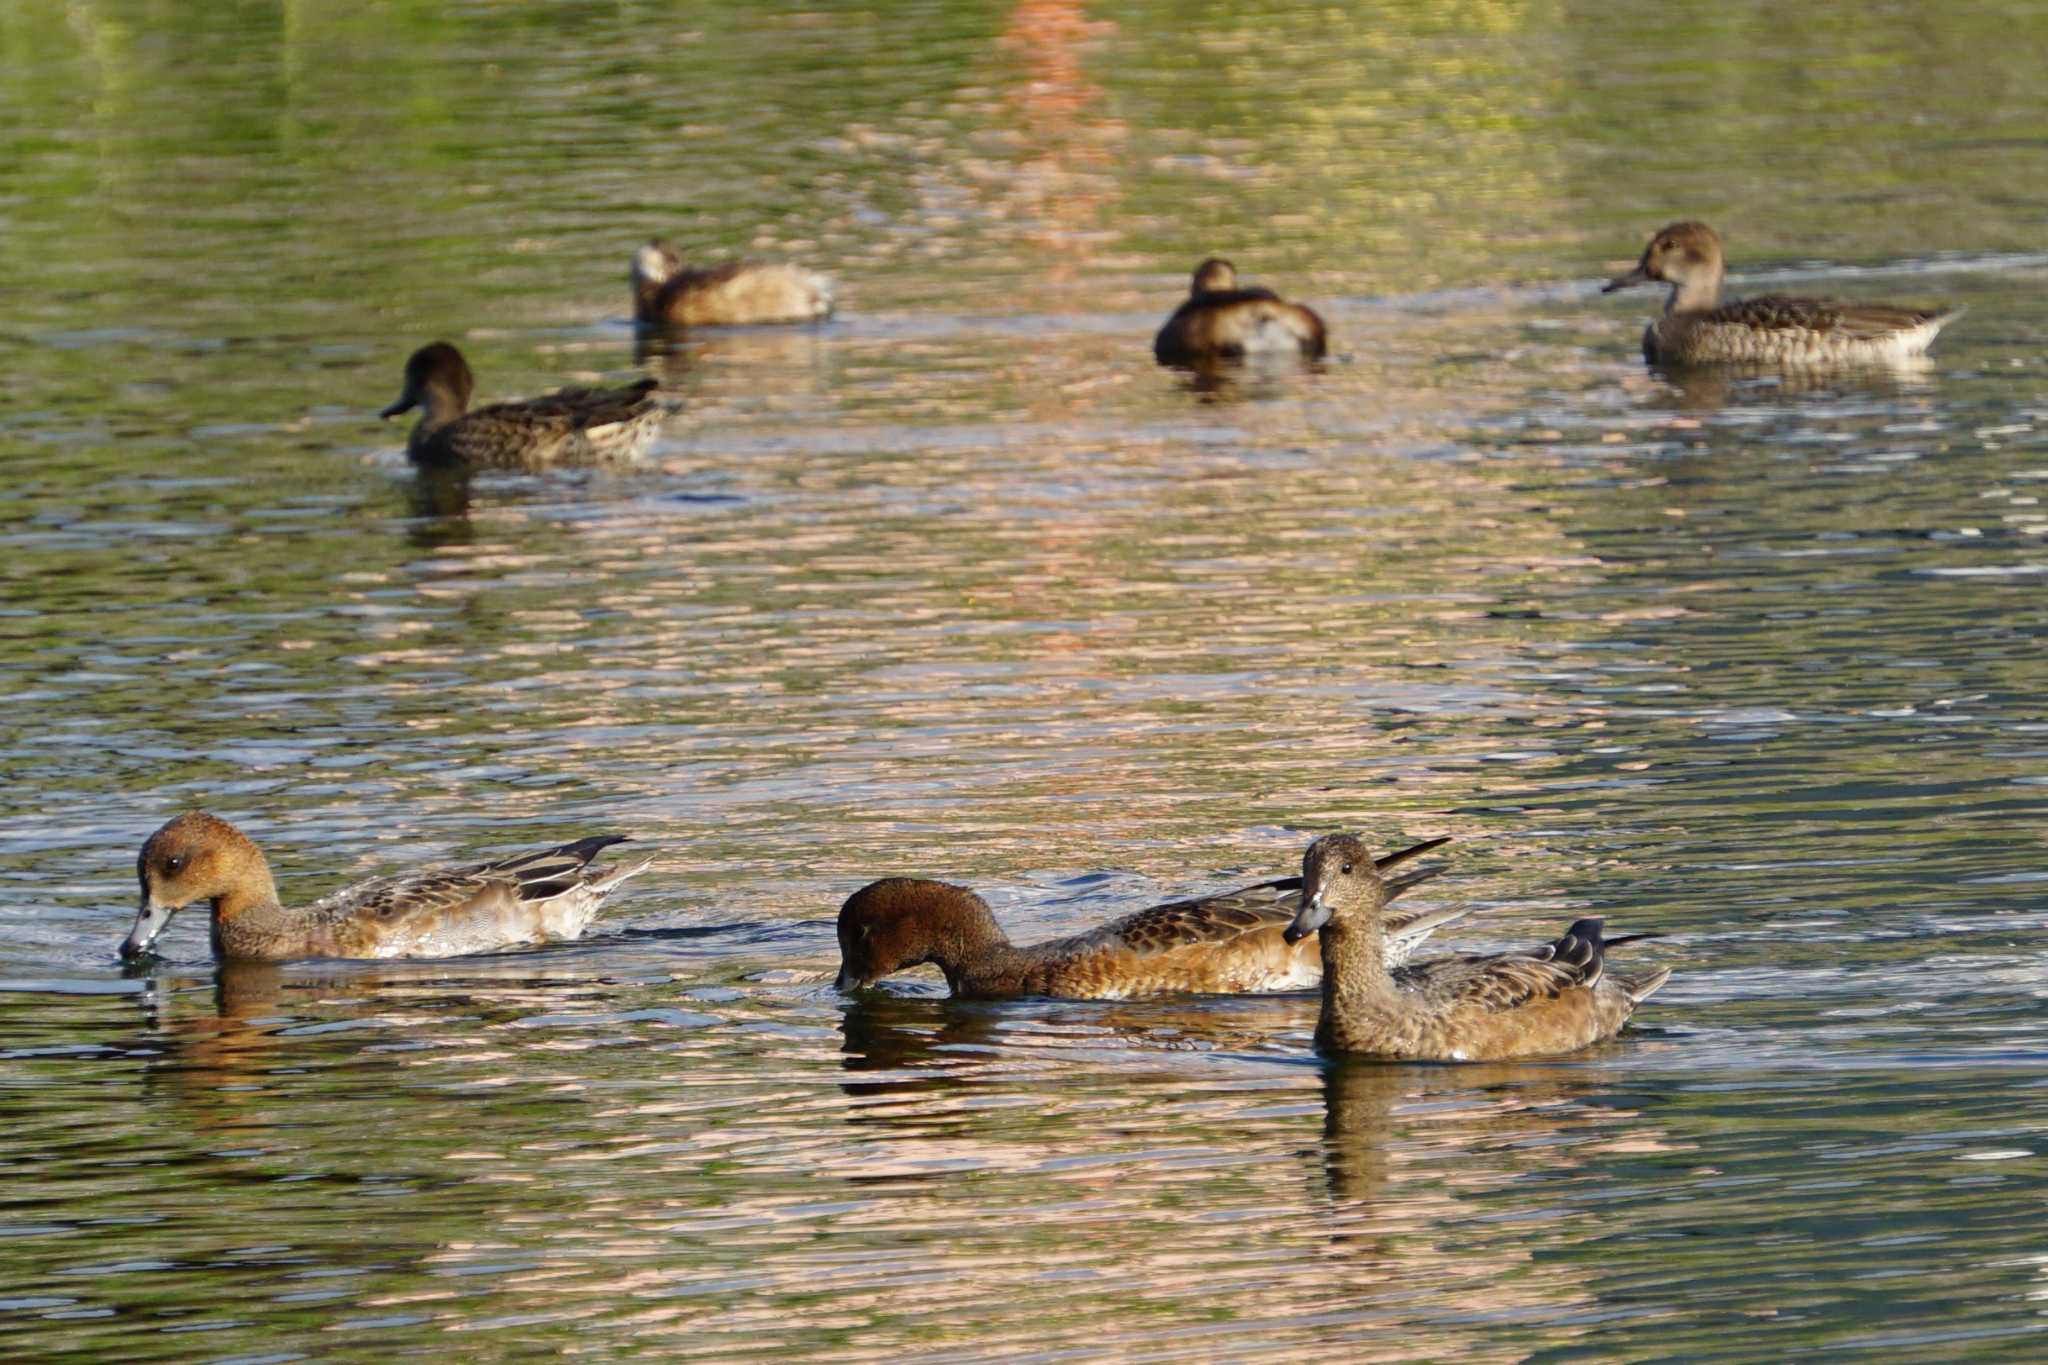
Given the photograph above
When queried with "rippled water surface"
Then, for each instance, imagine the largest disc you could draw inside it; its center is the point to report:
(960, 583)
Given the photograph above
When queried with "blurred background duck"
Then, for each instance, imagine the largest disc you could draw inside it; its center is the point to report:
(1770, 329)
(568, 426)
(1223, 944)
(536, 897)
(666, 294)
(1221, 321)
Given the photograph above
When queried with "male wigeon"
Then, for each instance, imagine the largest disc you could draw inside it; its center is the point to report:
(568, 426)
(1221, 321)
(1553, 999)
(1221, 944)
(536, 897)
(667, 295)
(1771, 329)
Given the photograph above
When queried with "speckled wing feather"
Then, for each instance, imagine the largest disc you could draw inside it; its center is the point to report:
(581, 423)
(1511, 980)
(1860, 321)
(1267, 905)
(537, 876)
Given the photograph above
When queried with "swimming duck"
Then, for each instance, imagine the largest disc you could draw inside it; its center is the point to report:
(534, 897)
(1223, 322)
(1553, 999)
(667, 295)
(1697, 328)
(568, 426)
(1219, 944)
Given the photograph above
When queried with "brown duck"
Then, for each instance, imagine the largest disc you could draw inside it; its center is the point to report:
(1770, 329)
(568, 426)
(1221, 321)
(665, 294)
(1554, 999)
(533, 897)
(1221, 944)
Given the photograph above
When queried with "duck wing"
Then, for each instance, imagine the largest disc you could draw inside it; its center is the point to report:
(480, 905)
(1509, 980)
(1860, 321)
(1266, 905)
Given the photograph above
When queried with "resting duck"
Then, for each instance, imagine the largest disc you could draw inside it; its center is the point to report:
(534, 897)
(1223, 322)
(1698, 329)
(1554, 999)
(1218, 944)
(667, 295)
(568, 426)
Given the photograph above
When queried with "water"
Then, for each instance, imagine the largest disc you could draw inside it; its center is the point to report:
(960, 583)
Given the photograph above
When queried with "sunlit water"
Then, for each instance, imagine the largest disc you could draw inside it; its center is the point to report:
(961, 584)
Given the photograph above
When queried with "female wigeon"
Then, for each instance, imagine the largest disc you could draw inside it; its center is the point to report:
(533, 897)
(1223, 322)
(1219, 944)
(568, 426)
(1698, 329)
(667, 295)
(1553, 999)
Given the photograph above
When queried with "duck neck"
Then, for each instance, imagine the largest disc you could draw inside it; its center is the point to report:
(1355, 976)
(440, 405)
(247, 912)
(1694, 295)
(981, 963)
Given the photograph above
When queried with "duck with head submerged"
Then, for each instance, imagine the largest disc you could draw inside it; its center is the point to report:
(1223, 944)
(1223, 321)
(568, 426)
(1771, 329)
(538, 897)
(665, 294)
(1553, 999)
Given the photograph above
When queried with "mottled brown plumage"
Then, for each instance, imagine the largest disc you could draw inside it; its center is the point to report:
(1221, 944)
(1221, 321)
(534, 897)
(1771, 329)
(1553, 999)
(665, 294)
(568, 426)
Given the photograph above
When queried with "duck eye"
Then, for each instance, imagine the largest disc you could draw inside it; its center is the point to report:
(175, 864)
(1347, 869)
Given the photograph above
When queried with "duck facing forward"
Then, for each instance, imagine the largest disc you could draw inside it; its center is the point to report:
(737, 292)
(1222, 944)
(1554, 999)
(535, 897)
(1220, 321)
(1771, 329)
(568, 426)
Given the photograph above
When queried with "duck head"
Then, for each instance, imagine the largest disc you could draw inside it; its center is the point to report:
(902, 922)
(1686, 256)
(1213, 276)
(1340, 885)
(192, 858)
(438, 380)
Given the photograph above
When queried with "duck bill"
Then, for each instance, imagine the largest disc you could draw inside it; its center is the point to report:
(404, 404)
(1313, 915)
(1628, 281)
(847, 983)
(150, 920)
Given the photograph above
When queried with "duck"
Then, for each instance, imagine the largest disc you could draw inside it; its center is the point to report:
(534, 897)
(1222, 944)
(568, 426)
(1771, 329)
(736, 292)
(1221, 321)
(1554, 999)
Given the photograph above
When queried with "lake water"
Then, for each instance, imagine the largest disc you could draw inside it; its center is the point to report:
(961, 584)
